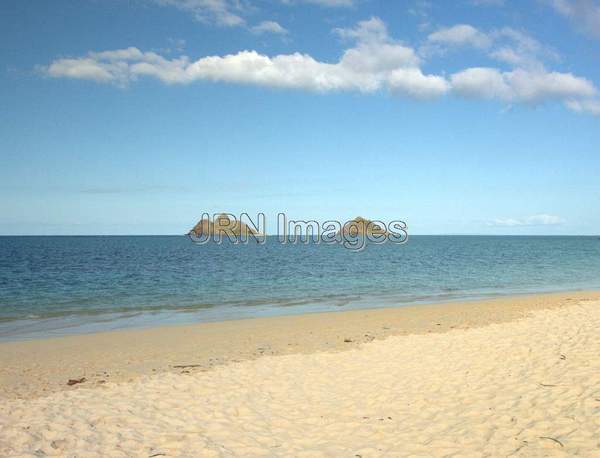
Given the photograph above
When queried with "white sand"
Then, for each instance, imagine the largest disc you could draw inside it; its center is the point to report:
(529, 387)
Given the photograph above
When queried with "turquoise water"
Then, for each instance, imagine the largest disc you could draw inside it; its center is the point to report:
(58, 285)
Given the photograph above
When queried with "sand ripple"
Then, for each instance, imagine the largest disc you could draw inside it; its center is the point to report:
(526, 388)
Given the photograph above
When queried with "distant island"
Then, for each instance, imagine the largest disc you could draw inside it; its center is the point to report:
(362, 226)
(222, 226)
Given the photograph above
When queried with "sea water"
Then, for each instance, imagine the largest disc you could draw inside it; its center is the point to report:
(59, 285)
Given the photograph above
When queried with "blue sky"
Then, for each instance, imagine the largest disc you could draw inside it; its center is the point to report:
(134, 117)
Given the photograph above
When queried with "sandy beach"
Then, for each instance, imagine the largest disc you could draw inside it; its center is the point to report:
(517, 376)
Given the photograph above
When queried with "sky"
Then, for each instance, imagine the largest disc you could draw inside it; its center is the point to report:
(463, 117)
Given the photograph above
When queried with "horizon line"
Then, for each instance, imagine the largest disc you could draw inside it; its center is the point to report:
(276, 235)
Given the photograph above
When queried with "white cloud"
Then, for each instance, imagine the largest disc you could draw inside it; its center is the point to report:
(507, 45)
(412, 82)
(231, 13)
(269, 27)
(228, 13)
(372, 30)
(535, 220)
(585, 13)
(220, 12)
(529, 81)
(590, 106)
(460, 35)
(508, 55)
(80, 68)
(520, 85)
(120, 66)
(481, 82)
(518, 49)
(372, 62)
(375, 62)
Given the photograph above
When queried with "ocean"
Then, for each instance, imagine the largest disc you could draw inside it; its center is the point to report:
(59, 285)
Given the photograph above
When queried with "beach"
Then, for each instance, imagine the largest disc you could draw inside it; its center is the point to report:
(517, 376)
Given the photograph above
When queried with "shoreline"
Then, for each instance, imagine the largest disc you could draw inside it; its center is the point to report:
(39, 367)
(74, 325)
(511, 377)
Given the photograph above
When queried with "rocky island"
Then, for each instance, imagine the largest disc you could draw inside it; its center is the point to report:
(222, 226)
(362, 226)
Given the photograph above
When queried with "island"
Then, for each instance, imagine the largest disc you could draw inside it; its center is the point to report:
(360, 226)
(222, 225)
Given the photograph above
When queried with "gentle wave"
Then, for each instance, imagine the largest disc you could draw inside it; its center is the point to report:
(77, 282)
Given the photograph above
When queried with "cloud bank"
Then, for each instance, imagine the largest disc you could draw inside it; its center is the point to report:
(374, 61)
